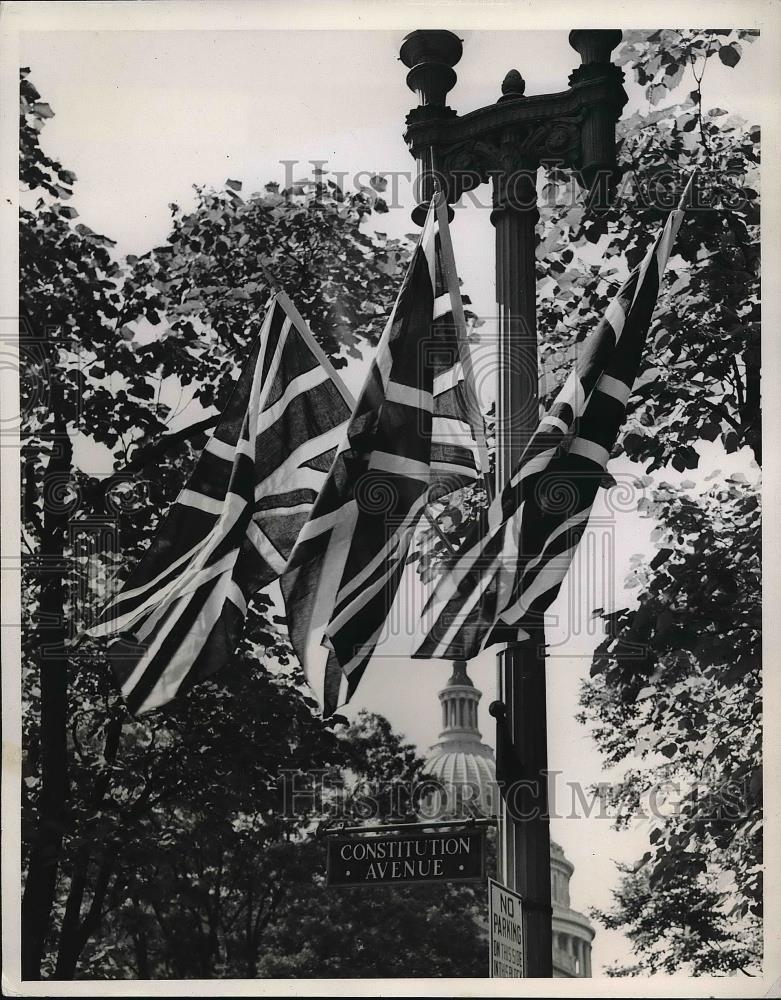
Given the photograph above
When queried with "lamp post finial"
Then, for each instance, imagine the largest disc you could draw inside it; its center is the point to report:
(513, 86)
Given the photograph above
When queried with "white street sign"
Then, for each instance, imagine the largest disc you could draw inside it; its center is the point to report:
(505, 916)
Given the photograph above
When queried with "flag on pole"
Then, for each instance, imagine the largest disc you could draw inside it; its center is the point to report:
(415, 435)
(511, 566)
(180, 614)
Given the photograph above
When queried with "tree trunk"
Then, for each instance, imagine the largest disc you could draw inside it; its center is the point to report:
(68, 956)
(72, 937)
(75, 932)
(140, 942)
(41, 883)
(261, 923)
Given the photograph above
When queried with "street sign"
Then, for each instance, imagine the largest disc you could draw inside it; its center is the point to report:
(505, 917)
(399, 859)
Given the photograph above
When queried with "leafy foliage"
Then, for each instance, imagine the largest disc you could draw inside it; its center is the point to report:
(684, 927)
(659, 59)
(172, 831)
(207, 285)
(676, 684)
(675, 688)
(700, 378)
(36, 169)
(222, 856)
(412, 931)
(182, 818)
(405, 931)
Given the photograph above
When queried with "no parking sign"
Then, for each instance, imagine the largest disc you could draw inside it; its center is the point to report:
(505, 916)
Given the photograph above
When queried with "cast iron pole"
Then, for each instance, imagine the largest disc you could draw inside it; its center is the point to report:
(505, 143)
(523, 842)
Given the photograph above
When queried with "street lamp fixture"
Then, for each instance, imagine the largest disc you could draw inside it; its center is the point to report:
(505, 143)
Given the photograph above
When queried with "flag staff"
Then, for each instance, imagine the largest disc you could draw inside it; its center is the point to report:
(504, 144)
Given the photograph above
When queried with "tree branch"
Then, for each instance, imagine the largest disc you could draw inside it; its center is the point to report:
(146, 454)
(722, 411)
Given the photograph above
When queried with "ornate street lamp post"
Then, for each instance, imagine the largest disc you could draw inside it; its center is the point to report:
(505, 143)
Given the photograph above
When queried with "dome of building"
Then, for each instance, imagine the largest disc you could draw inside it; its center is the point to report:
(465, 774)
(460, 762)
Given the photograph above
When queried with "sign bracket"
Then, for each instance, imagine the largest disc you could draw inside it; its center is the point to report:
(340, 830)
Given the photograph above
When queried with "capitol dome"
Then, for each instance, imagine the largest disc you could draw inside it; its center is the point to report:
(460, 762)
(465, 774)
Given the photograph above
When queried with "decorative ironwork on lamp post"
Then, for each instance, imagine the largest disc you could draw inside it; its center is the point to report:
(504, 144)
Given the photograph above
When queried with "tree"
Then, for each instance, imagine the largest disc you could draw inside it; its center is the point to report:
(230, 865)
(199, 846)
(676, 683)
(411, 931)
(69, 297)
(675, 689)
(104, 344)
(385, 931)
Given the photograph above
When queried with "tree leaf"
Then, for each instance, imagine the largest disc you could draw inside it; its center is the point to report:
(729, 55)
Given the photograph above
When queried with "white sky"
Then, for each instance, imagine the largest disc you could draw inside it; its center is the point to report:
(142, 115)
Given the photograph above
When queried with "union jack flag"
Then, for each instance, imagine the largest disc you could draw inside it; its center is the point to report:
(179, 616)
(511, 566)
(415, 435)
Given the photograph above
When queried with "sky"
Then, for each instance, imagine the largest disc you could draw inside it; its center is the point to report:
(143, 115)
